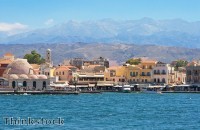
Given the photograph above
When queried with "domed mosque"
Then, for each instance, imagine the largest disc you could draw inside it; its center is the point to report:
(20, 74)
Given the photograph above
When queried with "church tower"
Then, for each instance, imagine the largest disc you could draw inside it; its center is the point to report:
(48, 57)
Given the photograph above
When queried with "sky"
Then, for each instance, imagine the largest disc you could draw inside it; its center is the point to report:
(16, 15)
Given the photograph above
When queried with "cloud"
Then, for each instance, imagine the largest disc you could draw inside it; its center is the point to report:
(7, 27)
(49, 22)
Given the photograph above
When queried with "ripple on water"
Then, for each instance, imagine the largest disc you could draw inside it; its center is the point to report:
(106, 111)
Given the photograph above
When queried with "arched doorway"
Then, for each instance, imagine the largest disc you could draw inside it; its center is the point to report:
(24, 84)
(13, 84)
(44, 85)
(163, 80)
(34, 84)
(158, 80)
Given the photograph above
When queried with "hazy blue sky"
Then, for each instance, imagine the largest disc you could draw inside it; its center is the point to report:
(41, 13)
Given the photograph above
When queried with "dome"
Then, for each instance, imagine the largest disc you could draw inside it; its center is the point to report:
(20, 66)
(33, 77)
(23, 76)
(48, 49)
(13, 76)
(42, 76)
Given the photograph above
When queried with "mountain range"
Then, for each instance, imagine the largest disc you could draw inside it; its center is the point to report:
(145, 31)
(117, 53)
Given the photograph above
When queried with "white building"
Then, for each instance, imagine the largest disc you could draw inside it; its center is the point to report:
(162, 73)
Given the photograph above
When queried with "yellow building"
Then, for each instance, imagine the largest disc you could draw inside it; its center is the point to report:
(132, 73)
(115, 74)
(141, 73)
(146, 71)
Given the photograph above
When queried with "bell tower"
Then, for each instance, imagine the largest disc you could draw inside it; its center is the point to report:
(48, 56)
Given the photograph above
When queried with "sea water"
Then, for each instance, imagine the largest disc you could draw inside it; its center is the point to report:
(103, 111)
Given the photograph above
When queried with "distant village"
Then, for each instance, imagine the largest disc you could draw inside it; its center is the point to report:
(83, 75)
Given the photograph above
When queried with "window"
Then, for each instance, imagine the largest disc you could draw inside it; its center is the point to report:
(44, 85)
(63, 72)
(154, 71)
(158, 71)
(155, 80)
(13, 84)
(56, 73)
(130, 73)
(158, 80)
(143, 74)
(34, 84)
(148, 74)
(163, 80)
(163, 72)
(24, 84)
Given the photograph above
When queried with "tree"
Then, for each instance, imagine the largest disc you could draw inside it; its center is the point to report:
(180, 63)
(34, 58)
(133, 61)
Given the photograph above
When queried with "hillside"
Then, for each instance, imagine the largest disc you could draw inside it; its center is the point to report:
(114, 52)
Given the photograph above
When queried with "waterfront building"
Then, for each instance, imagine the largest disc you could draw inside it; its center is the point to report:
(64, 73)
(115, 74)
(21, 75)
(132, 73)
(90, 75)
(180, 76)
(193, 72)
(146, 71)
(5, 61)
(162, 73)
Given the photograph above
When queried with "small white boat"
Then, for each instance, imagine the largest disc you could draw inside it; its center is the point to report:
(126, 90)
(152, 89)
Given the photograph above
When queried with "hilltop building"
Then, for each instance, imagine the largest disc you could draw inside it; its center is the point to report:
(79, 62)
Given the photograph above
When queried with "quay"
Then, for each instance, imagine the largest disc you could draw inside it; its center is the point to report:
(39, 92)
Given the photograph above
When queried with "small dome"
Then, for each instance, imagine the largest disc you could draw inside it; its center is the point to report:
(13, 76)
(33, 77)
(48, 49)
(42, 76)
(20, 66)
(23, 76)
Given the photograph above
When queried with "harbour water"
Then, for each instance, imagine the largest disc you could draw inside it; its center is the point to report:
(104, 111)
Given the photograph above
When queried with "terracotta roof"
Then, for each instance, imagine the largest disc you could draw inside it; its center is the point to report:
(8, 54)
(5, 61)
(62, 68)
(192, 63)
(70, 66)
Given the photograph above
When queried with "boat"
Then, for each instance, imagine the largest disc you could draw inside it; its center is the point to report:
(126, 90)
(152, 88)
